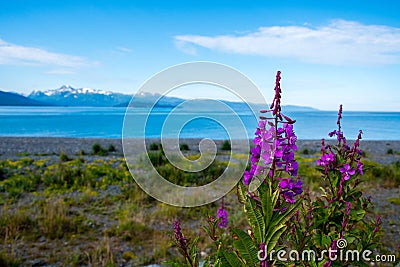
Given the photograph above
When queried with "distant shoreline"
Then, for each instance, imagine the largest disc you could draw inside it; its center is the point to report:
(15, 147)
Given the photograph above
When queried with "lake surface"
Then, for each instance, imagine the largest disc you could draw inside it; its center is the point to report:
(108, 123)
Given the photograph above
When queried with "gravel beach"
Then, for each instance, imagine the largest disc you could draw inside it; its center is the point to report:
(11, 147)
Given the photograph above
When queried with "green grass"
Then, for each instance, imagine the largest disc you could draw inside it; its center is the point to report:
(394, 200)
(98, 150)
(184, 147)
(383, 175)
(226, 145)
(155, 146)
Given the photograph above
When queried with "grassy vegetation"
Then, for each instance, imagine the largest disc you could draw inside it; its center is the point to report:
(184, 147)
(94, 205)
(155, 146)
(226, 145)
(382, 175)
(51, 207)
(179, 177)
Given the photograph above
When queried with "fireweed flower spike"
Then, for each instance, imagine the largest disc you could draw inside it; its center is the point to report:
(180, 239)
(378, 222)
(338, 132)
(275, 146)
(276, 103)
(223, 215)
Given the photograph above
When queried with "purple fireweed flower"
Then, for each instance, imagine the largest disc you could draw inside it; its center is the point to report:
(247, 176)
(360, 167)
(291, 136)
(298, 188)
(326, 159)
(378, 222)
(256, 151)
(262, 124)
(341, 137)
(255, 155)
(332, 133)
(286, 183)
(289, 189)
(288, 196)
(347, 171)
(263, 150)
(292, 168)
(181, 240)
(288, 156)
(222, 214)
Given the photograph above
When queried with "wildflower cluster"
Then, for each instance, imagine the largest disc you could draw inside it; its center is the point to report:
(276, 217)
(340, 212)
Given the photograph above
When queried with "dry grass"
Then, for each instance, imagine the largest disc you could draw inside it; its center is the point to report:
(100, 254)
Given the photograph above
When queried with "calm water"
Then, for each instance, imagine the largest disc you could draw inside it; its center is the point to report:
(108, 123)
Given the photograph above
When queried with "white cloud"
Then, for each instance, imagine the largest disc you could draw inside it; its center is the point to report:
(186, 46)
(124, 49)
(60, 71)
(12, 54)
(340, 42)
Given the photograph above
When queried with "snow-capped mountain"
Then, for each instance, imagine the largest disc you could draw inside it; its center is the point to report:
(67, 95)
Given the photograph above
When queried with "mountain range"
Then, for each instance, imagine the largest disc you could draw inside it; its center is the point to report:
(66, 95)
(14, 99)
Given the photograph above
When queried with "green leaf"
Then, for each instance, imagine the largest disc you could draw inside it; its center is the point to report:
(273, 237)
(275, 197)
(241, 193)
(207, 230)
(357, 215)
(193, 250)
(266, 202)
(230, 259)
(255, 219)
(245, 246)
(282, 218)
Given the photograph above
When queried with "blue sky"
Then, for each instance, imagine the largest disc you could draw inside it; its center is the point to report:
(329, 52)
